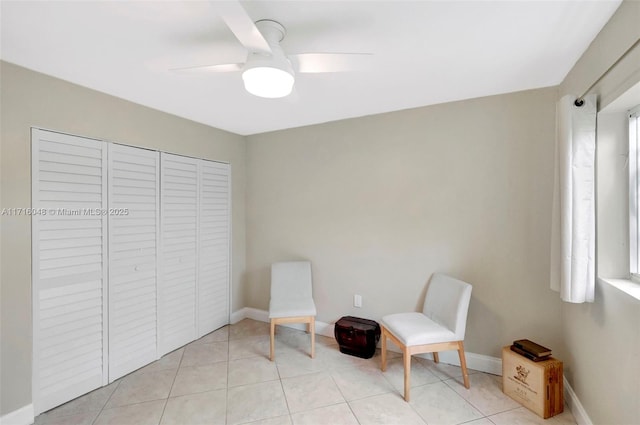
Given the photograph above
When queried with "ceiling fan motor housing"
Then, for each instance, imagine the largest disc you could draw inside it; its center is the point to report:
(271, 30)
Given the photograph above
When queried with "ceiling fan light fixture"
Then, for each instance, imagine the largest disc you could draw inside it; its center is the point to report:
(268, 81)
(269, 76)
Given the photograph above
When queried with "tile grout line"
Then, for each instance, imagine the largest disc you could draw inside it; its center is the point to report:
(484, 415)
(107, 401)
(286, 400)
(166, 400)
(345, 399)
(443, 381)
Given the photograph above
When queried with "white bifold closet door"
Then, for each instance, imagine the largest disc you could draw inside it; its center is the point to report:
(178, 260)
(68, 266)
(130, 259)
(134, 222)
(213, 246)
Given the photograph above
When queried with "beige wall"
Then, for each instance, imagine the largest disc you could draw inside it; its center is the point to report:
(602, 339)
(603, 361)
(32, 99)
(380, 203)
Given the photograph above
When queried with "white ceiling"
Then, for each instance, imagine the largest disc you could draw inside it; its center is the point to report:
(424, 52)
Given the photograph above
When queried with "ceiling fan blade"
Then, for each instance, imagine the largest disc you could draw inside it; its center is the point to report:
(330, 62)
(241, 25)
(224, 67)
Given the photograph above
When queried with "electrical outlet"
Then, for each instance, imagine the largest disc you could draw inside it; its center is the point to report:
(357, 300)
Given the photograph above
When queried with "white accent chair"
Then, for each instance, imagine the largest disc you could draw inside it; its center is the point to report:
(439, 327)
(291, 299)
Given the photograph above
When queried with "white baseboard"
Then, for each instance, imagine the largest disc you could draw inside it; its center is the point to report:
(22, 416)
(574, 405)
(488, 364)
(249, 313)
(480, 362)
(322, 328)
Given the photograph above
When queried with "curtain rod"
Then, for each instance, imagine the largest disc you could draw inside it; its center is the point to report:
(580, 101)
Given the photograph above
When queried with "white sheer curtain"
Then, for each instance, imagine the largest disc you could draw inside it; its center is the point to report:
(573, 220)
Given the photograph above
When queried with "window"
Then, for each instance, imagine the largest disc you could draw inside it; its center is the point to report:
(634, 191)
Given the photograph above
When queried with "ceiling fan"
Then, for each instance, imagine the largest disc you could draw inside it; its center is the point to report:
(268, 71)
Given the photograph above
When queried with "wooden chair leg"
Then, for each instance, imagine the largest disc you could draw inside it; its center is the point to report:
(463, 364)
(436, 358)
(383, 351)
(272, 335)
(312, 330)
(407, 372)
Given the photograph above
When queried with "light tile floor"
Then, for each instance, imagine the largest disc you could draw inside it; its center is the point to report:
(226, 378)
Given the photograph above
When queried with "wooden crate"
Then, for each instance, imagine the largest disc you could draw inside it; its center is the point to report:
(536, 385)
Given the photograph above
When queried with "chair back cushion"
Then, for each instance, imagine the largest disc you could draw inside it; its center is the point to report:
(447, 303)
(291, 280)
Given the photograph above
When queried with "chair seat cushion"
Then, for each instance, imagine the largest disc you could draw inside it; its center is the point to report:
(417, 329)
(291, 307)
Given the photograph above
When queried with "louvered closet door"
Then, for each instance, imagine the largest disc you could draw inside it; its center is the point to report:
(134, 219)
(213, 246)
(179, 219)
(68, 276)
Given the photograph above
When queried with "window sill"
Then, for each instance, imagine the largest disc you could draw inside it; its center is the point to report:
(627, 286)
